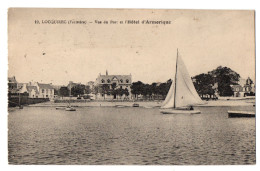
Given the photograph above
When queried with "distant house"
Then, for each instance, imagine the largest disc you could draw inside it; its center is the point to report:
(244, 88)
(38, 90)
(45, 90)
(33, 92)
(12, 85)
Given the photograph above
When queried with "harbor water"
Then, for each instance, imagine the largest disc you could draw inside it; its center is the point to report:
(132, 136)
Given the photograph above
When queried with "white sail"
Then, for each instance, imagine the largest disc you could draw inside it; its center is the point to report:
(169, 100)
(184, 94)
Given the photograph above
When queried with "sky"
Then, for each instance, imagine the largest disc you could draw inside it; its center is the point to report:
(59, 53)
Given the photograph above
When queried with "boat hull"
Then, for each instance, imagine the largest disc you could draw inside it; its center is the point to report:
(236, 114)
(135, 105)
(70, 109)
(60, 108)
(176, 111)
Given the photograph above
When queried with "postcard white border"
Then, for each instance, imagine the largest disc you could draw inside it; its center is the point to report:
(150, 4)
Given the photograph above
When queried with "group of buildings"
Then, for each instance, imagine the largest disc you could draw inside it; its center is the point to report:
(245, 87)
(40, 90)
(34, 90)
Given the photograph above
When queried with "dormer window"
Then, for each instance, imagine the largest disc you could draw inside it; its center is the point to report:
(102, 81)
(127, 81)
(121, 81)
(108, 81)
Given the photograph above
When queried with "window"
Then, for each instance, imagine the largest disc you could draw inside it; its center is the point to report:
(47, 91)
(121, 81)
(108, 81)
(127, 81)
(46, 95)
(102, 81)
(121, 87)
(42, 90)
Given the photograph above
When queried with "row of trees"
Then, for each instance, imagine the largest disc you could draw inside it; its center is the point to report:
(218, 81)
(77, 90)
(150, 91)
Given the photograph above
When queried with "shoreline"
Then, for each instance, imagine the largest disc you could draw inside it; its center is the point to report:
(149, 104)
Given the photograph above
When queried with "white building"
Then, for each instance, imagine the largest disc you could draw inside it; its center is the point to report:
(113, 81)
(38, 90)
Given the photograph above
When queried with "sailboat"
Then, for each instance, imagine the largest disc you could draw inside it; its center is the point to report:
(182, 94)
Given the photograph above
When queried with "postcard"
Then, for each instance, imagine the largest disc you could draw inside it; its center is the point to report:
(131, 87)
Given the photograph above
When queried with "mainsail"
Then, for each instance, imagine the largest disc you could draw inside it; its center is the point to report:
(182, 91)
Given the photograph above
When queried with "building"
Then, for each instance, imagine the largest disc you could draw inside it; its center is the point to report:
(12, 85)
(113, 82)
(38, 90)
(33, 92)
(244, 88)
(45, 90)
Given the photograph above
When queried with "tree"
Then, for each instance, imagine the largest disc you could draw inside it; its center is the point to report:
(88, 90)
(126, 92)
(204, 84)
(78, 90)
(120, 92)
(163, 89)
(137, 88)
(105, 90)
(64, 91)
(225, 77)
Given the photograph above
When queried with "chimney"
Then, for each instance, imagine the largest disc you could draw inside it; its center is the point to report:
(106, 72)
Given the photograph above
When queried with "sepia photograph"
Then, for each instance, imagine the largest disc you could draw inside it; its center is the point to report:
(131, 86)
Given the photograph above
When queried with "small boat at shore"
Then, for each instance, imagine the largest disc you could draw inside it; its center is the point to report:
(182, 94)
(60, 108)
(69, 108)
(135, 105)
(236, 114)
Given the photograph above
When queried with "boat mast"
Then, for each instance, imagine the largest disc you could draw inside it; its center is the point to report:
(174, 105)
(19, 99)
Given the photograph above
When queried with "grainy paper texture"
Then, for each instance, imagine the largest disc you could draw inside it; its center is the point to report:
(115, 67)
